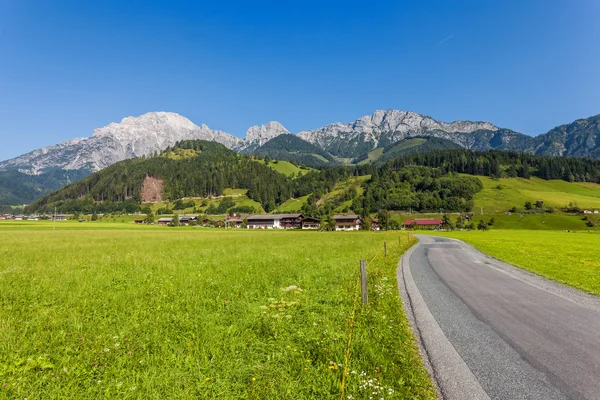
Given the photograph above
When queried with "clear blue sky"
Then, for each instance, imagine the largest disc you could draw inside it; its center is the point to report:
(67, 67)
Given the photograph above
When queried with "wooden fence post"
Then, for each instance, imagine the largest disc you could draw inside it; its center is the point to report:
(385, 249)
(363, 281)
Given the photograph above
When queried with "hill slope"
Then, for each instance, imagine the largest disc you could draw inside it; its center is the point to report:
(291, 148)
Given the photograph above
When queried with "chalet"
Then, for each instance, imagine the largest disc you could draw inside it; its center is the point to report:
(311, 223)
(346, 222)
(188, 219)
(428, 223)
(164, 221)
(20, 217)
(139, 221)
(60, 217)
(233, 222)
(275, 221)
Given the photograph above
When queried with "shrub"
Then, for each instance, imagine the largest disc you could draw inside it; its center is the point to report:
(482, 226)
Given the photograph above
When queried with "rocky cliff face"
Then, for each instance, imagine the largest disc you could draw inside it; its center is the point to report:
(385, 127)
(256, 136)
(153, 132)
(132, 137)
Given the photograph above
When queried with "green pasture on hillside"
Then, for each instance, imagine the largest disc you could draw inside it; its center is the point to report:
(500, 195)
(109, 310)
(566, 257)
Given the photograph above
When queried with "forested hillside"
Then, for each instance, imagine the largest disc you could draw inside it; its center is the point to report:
(421, 182)
(18, 188)
(507, 164)
(291, 148)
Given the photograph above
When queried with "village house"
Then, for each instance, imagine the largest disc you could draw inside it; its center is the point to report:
(233, 222)
(311, 223)
(164, 221)
(188, 219)
(275, 221)
(346, 222)
(428, 223)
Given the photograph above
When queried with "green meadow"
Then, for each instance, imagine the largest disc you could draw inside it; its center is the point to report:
(109, 310)
(500, 195)
(565, 257)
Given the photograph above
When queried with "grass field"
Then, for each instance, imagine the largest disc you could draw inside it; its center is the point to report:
(238, 195)
(124, 311)
(569, 258)
(499, 195)
(292, 205)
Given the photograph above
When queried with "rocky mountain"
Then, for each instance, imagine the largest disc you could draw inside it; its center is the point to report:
(343, 142)
(132, 137)
(384, 128)
(580, 138)
(256, 136)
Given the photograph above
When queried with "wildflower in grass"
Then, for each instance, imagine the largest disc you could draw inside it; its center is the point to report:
(106, 350)
(253, 379)
(207, 379)
(117, 344)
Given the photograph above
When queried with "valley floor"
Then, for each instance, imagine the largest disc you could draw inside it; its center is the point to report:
(116, 310)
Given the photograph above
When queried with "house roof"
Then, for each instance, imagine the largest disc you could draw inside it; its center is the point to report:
(165, 219)
(274, 216)
(345, 216)
(429, 221)
(312, 219)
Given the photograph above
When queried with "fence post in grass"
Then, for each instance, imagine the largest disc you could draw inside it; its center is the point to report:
(385, 249)
(363, 281)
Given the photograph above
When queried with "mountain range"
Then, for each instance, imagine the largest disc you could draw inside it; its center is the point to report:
(364, 140)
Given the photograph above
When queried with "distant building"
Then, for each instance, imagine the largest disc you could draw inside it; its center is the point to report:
(164, 221)
(311, 223)
(233, 222)
(275, 221)
(346, 222)
(428, 223)
(187, 219)
(587, 212)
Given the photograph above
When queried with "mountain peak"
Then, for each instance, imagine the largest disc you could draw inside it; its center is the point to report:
(261, 134)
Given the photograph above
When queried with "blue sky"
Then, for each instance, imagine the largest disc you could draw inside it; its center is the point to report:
(67, 67)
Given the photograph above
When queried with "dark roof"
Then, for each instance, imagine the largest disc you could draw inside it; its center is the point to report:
(312, 219)
(274, 216)
(429, 221)
(345, 216)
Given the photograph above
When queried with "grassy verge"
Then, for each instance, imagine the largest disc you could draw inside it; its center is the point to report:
(569, 258)
(182, 313)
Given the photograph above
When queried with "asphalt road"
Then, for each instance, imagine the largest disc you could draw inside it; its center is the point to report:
(490, 330)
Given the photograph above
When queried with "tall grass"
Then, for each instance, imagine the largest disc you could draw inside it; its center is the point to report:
(181, 313)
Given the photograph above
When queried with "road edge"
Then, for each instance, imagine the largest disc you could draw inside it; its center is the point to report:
(450, 374)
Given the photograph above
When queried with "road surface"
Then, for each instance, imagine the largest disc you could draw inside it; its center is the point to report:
(489, 330)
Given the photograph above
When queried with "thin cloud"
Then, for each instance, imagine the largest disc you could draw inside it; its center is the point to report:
(444, 40)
